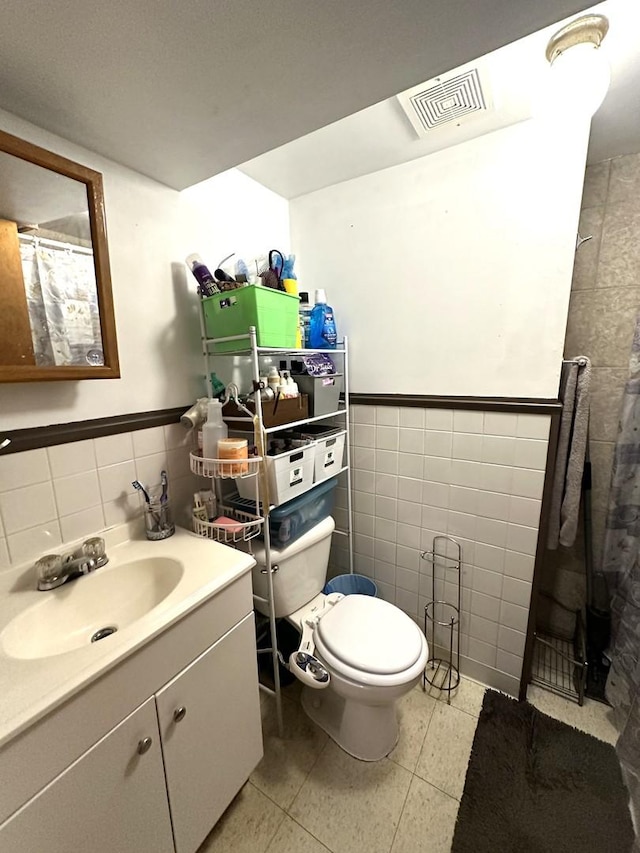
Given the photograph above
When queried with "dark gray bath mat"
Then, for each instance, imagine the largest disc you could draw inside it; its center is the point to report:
(535, 785)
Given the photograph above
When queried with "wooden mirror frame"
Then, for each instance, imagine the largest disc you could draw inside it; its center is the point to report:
(95, 199)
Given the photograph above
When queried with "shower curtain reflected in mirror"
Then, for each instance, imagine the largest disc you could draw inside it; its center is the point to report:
(62, 300)
(621, 562)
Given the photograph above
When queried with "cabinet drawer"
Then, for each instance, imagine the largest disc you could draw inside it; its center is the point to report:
(110, 799)
(211, 733)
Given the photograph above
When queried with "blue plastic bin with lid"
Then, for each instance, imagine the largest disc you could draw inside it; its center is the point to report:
(350, 585)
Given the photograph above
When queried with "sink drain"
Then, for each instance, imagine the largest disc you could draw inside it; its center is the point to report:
(103, 632)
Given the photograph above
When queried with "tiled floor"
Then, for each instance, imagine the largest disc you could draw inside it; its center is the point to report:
(308, 796)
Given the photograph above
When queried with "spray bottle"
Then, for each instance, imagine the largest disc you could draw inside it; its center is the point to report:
(207, 283)
(213, 430)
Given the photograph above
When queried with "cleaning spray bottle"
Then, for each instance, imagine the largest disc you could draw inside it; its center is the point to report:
(322, 326)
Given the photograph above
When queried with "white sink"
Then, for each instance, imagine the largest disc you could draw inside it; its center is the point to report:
(66, 619)
(46, 653)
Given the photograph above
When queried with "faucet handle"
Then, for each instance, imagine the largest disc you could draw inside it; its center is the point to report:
(94, 548)
(49, 567)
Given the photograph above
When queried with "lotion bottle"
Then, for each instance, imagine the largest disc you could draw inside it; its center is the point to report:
(292, 387)
(273, 379)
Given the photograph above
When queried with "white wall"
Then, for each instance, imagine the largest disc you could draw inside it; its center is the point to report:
(451, 274)
(151, 229)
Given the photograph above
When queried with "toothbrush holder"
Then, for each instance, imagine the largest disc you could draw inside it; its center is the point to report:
(158, 521)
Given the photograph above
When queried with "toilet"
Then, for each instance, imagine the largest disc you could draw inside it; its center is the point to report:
(358, 654)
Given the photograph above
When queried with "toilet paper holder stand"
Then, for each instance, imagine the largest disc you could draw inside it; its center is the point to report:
(442, 615)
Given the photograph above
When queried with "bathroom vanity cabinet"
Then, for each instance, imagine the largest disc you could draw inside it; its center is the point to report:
(159, 778)
(111, 798)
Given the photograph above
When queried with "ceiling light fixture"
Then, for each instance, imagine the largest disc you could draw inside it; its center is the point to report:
(580, 74)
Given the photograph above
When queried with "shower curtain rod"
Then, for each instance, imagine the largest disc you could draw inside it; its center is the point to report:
(581, 361)
(56, 244)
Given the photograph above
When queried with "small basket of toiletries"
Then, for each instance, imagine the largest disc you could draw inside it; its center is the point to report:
(274, 313)
(293, 519)
(283, 410)
(329, 444)
(224, 523)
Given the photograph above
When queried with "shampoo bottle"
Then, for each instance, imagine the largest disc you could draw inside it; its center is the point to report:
(322, 326)
(213, 430)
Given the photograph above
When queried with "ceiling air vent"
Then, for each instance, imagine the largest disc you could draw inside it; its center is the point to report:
(440, 101)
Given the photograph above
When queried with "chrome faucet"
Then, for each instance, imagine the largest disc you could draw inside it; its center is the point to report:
(53, 570)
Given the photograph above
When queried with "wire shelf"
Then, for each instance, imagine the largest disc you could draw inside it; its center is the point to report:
(559, 665)
(244, 347)
(245, 526)
(225, 469)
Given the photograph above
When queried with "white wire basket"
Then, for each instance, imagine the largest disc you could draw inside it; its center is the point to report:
(223, 469)
(245, 526)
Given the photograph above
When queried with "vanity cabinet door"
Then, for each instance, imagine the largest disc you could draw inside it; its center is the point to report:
(211, 733)
(113, 798)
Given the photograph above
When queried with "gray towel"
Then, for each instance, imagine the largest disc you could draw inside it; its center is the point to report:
(572, 446)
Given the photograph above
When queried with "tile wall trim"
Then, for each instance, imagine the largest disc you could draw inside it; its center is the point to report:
(522, 405)
(46, 436)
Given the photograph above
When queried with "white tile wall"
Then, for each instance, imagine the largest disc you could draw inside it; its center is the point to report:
(476, 476)
(60, 494)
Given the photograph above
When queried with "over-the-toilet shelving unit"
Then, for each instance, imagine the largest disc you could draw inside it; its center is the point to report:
(250, 526)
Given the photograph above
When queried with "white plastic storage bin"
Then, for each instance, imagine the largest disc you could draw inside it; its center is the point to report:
(290, 474)
(329, 456)
(329, 442)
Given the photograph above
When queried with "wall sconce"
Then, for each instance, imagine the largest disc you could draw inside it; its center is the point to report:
(579, 75)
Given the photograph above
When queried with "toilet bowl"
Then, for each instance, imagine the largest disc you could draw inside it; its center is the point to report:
(372, 651)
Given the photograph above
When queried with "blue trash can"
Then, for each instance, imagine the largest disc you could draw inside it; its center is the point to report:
(350, 584)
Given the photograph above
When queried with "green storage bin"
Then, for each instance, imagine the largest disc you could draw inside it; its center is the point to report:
(273, 313)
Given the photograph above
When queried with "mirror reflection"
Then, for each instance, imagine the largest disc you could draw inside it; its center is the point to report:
(48, 292)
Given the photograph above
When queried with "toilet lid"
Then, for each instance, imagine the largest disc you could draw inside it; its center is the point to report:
(371, 635)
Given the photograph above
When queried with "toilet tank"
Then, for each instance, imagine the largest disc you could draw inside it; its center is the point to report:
(302, 571)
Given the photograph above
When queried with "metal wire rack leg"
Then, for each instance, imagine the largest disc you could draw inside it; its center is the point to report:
(445, 674)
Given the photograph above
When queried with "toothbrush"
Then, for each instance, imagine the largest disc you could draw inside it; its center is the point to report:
(140, 488)
(154, 515)
(165, 483)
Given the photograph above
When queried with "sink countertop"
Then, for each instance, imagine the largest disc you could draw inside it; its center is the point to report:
(31, 688)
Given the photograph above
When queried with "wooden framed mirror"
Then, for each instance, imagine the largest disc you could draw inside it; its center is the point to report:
(56, 304)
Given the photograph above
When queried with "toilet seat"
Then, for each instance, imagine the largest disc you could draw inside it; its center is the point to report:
(369, 641)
